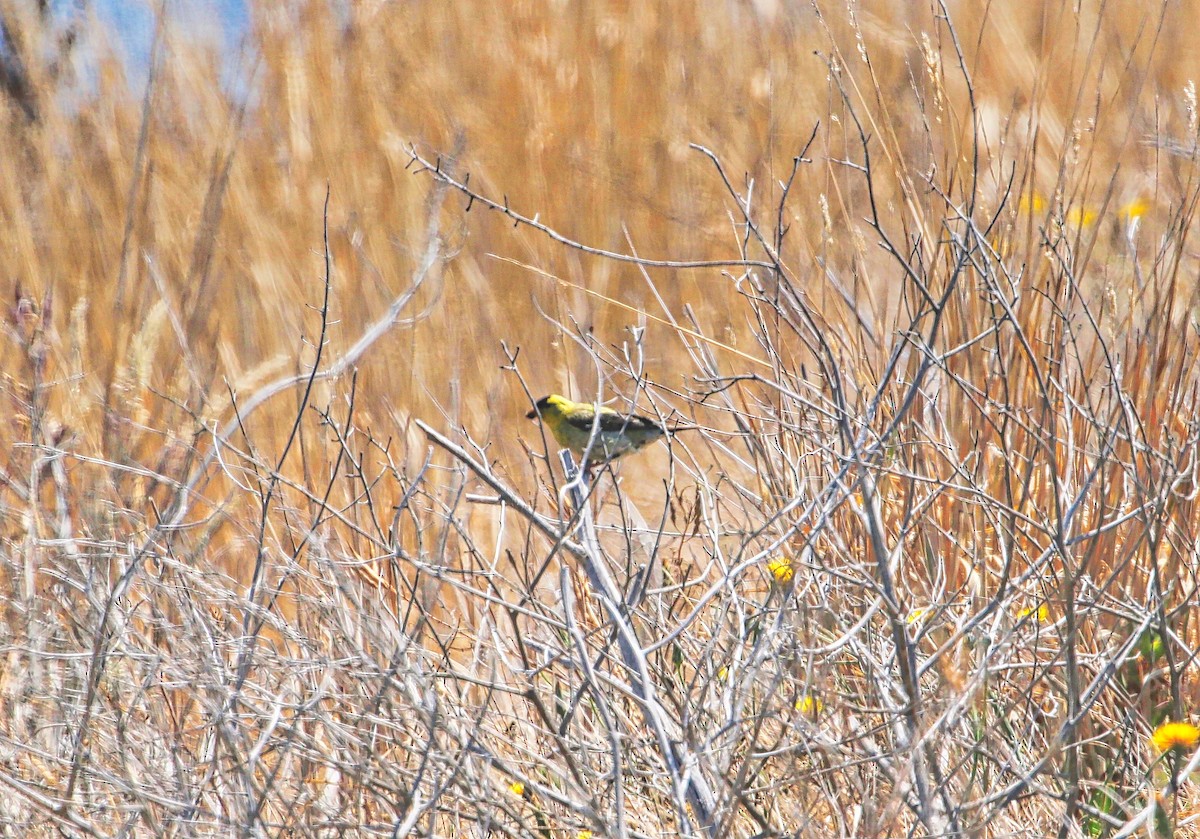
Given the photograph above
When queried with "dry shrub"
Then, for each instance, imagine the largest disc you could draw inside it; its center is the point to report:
(280, 556)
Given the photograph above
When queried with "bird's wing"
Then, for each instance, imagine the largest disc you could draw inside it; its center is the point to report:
(613, 421)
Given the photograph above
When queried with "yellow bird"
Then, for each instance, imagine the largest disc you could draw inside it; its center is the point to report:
(574, 424)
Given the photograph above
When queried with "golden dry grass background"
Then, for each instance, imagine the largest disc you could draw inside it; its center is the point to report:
(580, 114)
(156, 280)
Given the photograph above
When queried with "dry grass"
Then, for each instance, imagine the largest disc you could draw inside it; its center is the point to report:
(280, 560)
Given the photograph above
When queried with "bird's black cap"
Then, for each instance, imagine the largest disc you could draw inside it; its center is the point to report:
(542, 403)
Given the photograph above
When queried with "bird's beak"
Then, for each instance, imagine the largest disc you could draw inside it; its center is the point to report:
(532, 414)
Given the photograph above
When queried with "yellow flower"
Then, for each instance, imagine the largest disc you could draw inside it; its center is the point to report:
(1041, 613)
(1175, 735)
(809, 705)
(1081, 216)
(781, 568)
(1032, 204)
(517, 788)
(1136, 208)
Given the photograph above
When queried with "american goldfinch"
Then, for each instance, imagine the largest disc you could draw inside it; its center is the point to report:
(573, 424)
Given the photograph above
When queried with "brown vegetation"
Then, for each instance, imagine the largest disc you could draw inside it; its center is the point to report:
(281, 557)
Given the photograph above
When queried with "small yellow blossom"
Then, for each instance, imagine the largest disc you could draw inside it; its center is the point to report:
(1176, 735)
(1041, 614)
(1032, 204)
(1081, 217)
(1135, 209)
(781, 568)
(517, 788)
(809, 705)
